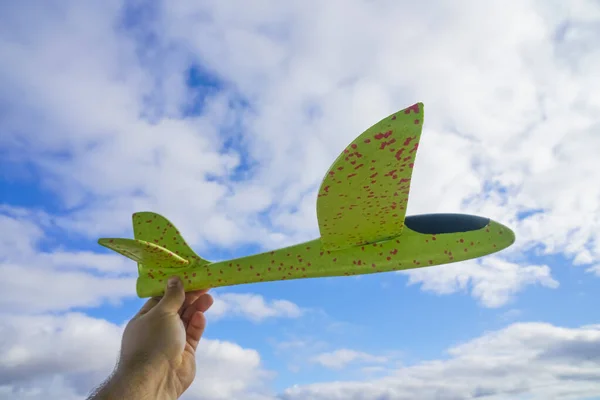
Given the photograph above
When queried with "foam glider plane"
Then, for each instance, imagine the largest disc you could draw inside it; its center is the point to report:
(361, 210)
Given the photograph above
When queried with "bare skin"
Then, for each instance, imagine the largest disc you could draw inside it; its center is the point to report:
(158, 349)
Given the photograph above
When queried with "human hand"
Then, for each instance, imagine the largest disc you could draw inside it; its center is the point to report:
(158, 347)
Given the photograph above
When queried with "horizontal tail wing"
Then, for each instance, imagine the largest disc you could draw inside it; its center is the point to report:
(147, 254)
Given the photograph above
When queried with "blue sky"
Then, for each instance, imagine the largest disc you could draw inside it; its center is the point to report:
(225, 121)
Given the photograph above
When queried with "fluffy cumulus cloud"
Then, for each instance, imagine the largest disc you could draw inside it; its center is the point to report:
(53, 357)
(526, 360)
(342, 357)
(252, 306)
(492, 280)
(36, 280)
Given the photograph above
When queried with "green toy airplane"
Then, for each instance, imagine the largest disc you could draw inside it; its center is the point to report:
(361, 210)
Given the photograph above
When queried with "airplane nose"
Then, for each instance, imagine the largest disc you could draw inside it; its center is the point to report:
(433, 224)
(507, 234)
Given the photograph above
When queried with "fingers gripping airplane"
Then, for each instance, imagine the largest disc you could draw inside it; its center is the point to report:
(361, 210)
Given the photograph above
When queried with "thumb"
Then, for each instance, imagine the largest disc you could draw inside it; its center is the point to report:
(174, 296)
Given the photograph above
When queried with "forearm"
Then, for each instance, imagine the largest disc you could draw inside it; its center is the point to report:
(133, 384)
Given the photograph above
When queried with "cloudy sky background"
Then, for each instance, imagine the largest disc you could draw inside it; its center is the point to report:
(224, 117)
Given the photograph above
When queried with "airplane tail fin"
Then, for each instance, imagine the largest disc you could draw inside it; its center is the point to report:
(157, 244)
(155, 228)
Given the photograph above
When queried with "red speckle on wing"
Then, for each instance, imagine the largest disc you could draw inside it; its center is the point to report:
(399, 154)
(384, 144)
(414, 107)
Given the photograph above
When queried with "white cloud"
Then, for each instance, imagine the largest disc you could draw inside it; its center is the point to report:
(525, 360)
(595, 269)
(22, 237)
(65, 356)
(27, 288)
(252, 306)
(340, 358)
(491, 280)
(55, 387)
(56, 357)
(33, 280)
(227, 370)
(44, 345)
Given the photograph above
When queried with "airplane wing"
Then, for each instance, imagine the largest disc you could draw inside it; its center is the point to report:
(364, 194)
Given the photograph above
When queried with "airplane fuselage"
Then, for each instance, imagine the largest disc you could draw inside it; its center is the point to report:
(309, 260)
